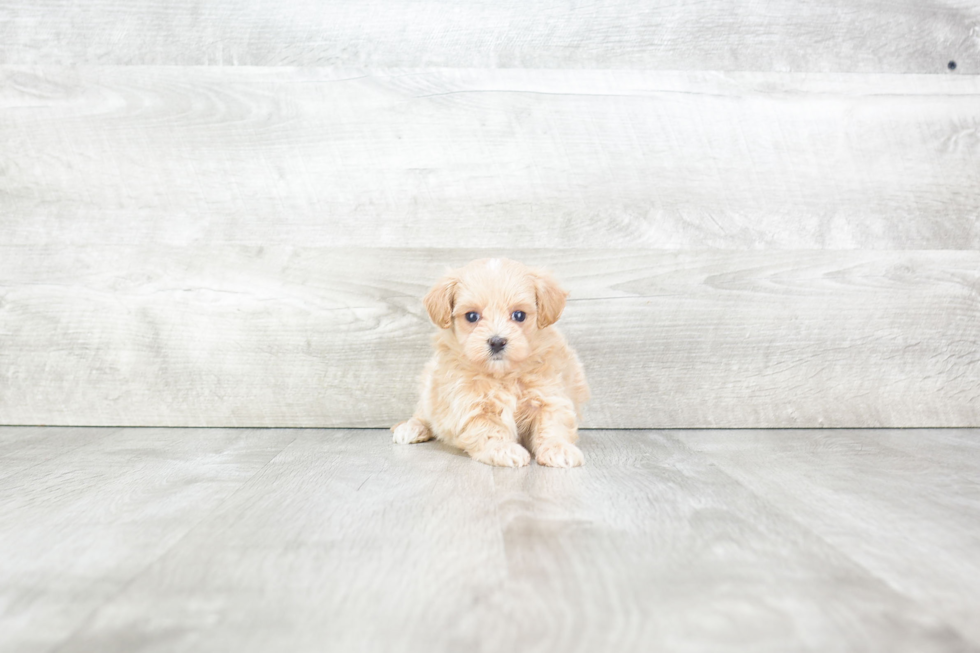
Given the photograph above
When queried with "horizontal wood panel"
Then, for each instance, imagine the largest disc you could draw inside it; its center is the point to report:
(489, 159)
(905, 36)
(288, 336)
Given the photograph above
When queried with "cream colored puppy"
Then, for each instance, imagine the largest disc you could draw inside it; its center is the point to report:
(501, 375)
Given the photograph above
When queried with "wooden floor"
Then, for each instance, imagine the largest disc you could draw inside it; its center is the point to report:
(314, 540)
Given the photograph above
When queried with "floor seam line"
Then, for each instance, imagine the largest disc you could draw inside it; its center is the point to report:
(119, 591)
(786, 515)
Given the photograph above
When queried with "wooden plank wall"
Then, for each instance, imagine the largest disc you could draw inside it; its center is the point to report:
(224, 214)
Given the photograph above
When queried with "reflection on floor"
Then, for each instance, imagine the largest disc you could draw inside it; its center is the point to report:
(313, 540)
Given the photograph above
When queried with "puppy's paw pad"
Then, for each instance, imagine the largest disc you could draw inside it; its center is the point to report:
(507, 454)
(410, 432)
(559, 454)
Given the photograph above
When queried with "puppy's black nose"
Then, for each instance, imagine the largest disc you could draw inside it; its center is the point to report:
(497, 344)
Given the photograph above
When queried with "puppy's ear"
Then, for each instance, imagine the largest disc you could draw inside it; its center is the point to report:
(550, 298)
(439, 302)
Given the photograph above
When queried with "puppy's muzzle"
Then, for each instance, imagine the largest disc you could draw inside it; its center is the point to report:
(497, 344)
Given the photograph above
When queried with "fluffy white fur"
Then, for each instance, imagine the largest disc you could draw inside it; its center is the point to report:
(500, 407)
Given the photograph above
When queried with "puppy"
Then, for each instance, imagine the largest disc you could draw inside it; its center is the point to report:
(501, 376)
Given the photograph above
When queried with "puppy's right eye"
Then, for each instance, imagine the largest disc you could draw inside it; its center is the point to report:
(472, 316)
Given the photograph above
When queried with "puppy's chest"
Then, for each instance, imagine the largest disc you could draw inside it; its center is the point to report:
(529, 401)
(520, 399)
(516, 398)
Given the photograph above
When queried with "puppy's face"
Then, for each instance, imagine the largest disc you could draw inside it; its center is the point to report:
(494, 309)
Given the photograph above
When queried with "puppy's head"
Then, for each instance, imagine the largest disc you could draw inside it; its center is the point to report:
(495, 308)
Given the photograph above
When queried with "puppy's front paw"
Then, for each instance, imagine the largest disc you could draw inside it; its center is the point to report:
(502, 454)
(410, 432)
(559, 454)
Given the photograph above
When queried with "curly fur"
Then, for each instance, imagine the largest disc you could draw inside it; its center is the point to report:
(500, 407)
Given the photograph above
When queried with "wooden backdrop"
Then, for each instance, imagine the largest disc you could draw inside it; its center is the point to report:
(225, 213)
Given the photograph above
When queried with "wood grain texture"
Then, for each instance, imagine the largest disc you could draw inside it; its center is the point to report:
(288, 336)
(882, 528)
(905, 36)
(155, 539)
(77, 528)
(24, 447)
(488, 158)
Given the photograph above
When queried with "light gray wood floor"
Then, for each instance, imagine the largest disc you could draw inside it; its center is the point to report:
(309, 540)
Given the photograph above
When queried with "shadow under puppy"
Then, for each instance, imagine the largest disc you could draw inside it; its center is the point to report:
(501, 375)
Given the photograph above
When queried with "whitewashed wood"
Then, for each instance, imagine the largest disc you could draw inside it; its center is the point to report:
(488, 158)
(339, 540)
(287, 336)
(692, 549)
(78, 528)
(343, 542)
(832, 35)
(904, 504)
(24, 447)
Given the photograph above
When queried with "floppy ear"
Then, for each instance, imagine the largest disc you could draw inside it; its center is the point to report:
(439, 302)
(550, 298)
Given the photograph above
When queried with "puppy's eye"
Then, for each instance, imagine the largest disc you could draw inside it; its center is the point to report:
(518, 316)
(472, 316)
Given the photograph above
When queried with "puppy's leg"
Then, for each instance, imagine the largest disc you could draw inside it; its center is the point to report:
(411, 431)
(492, 443)
(554, 433)
(576, 387)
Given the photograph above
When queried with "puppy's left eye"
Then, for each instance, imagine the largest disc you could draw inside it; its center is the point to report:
(518, 316)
